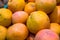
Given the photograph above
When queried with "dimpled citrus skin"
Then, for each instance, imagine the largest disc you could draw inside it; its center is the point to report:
(45, 5)
(5, 17)
(30, 7)
(46, 34)
(37, 20)
(55, 27)
(15, 5)
(17, 31)
(19, 17)
(3, 32)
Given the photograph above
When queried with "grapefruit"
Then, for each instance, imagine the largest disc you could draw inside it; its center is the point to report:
(15, 5)
(5, 17)
(17, 31)
(19, 17)
(46, 34)
(3, 32)
(38, 20)
(55, 27)
(45, 5)
(30, 7)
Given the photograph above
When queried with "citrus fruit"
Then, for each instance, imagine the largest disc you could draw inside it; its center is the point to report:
(30, 7)
(17, 31)
(3, 32)
(45, 5)
(5, 17)
(19, 17)
(55, 27)
(46, 34)
(38, 20)
(15, 5)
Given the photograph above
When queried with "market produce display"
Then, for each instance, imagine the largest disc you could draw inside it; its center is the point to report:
(29, 19)
(30, 7)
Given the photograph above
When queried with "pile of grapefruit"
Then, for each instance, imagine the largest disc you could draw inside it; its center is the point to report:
(30, 20)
